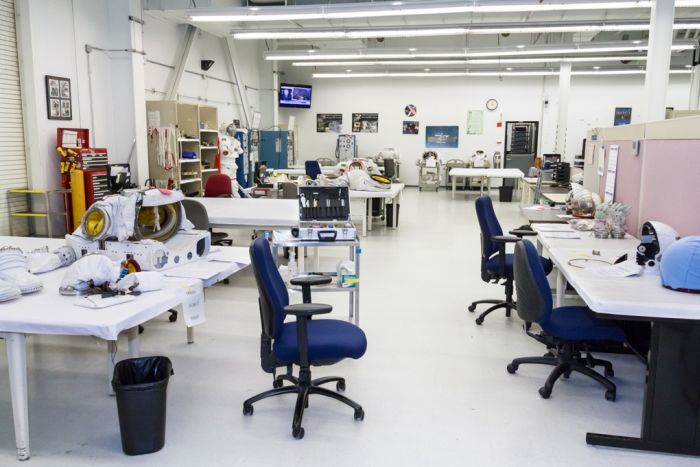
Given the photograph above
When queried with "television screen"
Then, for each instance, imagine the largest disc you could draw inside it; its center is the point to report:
(294, 95)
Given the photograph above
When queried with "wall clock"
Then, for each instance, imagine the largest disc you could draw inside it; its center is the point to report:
(492, 104)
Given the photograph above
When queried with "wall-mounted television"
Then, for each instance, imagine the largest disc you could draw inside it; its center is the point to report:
(295, 95)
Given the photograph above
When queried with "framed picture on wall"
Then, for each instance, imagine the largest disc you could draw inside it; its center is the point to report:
(59, 105)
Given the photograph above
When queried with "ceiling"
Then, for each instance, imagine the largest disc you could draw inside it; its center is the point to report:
(500, 36)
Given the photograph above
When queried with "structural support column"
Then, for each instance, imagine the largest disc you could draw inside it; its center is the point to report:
(658, 59)
(138, 154)
(181, 62)
(238, 78)
(694, 103)
(275, 90)
(563, 105)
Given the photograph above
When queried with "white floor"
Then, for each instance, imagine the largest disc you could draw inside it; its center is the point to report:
(433, 384)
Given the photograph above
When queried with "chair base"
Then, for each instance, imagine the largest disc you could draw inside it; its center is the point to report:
(303, 391)
(564, 364)
(497, 304)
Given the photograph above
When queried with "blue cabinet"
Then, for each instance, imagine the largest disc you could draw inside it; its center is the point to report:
(273, 149)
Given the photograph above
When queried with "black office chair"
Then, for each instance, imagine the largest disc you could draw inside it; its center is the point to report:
(565, 330)
(496, 264)
(303, 342)
(197, 214)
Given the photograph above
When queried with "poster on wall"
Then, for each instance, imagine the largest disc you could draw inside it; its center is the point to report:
(623, 116)
(329, 123)
(58, 98)
(365, 123)
(475, 122)
(410, 110)
(410, 127)
(441, 136)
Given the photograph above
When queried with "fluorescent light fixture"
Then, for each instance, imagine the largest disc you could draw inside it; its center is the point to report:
(462, 53)
(444, 74)
(447, 31)
(329, 12)
(478, 61)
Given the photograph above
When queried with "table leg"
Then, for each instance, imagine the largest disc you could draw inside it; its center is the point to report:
(17, 368)
(356, 294)
(488, 186)
(454, 186)
(671, 410)
(364, 217)
(134, 342)
(561, 289)
(395, 211)
(111, 360)
(301, 259)
(368, 211)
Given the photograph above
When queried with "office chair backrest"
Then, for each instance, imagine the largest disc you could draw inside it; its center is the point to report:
(273, 293)
(218, 186)
(196, 213)
(488, 222)
(313, 169)
(534, 295)
(389, 168)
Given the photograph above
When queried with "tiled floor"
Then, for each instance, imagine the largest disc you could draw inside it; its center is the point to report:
(433, 384)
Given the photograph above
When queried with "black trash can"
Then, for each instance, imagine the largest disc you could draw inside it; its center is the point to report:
(505, 194)
(141, 387)
(390, 214)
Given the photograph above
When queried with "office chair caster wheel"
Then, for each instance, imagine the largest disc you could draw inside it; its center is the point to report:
(298, 433)
(340, 386)
(479, 321)
(359, 414)
(609, 373)
(141, 329)
(512, 368)
(247, 409)
(545, 393)
(472, 308)
(610, 396)
(173, 317)
(277, 383)
(566, 374)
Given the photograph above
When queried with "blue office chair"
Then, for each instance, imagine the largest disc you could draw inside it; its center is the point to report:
(565, 330)
(313, 169)
(496, 264)
(303, 342)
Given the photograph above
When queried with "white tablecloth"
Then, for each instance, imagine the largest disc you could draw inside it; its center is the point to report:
(391, 193)
(249, 212)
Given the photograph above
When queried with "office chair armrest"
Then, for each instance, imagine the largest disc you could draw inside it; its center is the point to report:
(505, 239)
(523, 233)
(311, 280)
(305, 310)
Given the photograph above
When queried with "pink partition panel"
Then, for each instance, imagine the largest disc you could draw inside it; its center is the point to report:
(671, 184)
(627, 183)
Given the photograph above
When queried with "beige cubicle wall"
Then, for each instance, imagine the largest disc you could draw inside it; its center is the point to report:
(658, 171)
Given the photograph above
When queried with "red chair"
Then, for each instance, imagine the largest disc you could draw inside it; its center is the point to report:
(218, 186)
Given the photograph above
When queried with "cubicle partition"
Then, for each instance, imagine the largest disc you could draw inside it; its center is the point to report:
(659, 179)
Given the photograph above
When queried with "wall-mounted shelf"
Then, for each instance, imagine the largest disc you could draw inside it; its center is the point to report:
(209, 170)
(190, 180)
(208, 131)
(187, 140)
(185, 161)
(209, 147)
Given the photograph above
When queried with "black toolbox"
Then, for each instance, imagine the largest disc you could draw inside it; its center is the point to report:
(327, 204)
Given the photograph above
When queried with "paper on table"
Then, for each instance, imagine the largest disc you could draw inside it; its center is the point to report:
(567, 235)
(554, 228)
(197, 270)
(231, 255)
(535, 207)
(565, 216)
(624, 269)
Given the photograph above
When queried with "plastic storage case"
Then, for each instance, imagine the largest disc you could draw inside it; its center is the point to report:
(327, 204)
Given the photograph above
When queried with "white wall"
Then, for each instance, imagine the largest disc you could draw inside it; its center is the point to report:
(45, 49)
(445, 101)
(163, 41)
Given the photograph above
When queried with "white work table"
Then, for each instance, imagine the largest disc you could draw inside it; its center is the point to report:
(670, 415)
(269, 214)
(48, 312)
(484, 174)
(393, 193)
(297, 171)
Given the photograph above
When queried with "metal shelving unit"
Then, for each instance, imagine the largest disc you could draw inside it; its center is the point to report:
(29, 214)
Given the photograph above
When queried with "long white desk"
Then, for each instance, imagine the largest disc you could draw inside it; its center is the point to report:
(48, 312)
(671, 409)
(484, 174)
(298, 171)
(393, 193)
(269, 214)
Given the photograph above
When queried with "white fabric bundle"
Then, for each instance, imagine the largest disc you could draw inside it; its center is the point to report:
(96, 268)
(145, 281)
